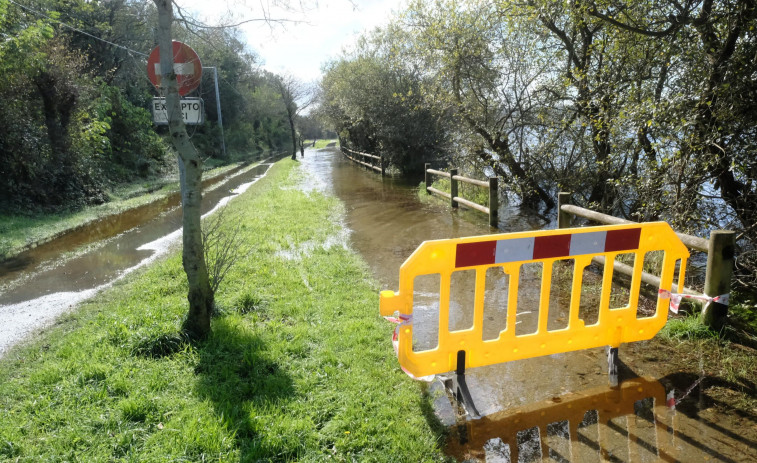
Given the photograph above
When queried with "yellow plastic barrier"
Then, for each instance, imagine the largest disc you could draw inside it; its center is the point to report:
(510, 251)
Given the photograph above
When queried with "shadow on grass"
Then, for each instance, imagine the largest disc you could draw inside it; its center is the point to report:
(235, 374)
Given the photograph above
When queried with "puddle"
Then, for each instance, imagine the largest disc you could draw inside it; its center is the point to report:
(52, 279)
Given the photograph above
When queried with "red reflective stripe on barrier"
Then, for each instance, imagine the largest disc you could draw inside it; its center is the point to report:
(622, 240)
(546, 247)
(470, 254)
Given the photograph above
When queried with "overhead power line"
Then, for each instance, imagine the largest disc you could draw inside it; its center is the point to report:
(39, 13)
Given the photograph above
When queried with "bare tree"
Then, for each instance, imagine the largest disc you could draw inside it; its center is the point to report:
(200, 296)
(296, 96)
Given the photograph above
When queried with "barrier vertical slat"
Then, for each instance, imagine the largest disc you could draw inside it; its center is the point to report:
(575, 291)
(638, 269)
(633, 438)
(602, 437)
(544, 443)
(604, 299)
(512, 300)
(478, 303)
(546, 285)
(444, 291)
(574, 442)
(514, 450)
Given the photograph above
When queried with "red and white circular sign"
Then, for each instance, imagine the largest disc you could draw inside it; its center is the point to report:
(186, 65)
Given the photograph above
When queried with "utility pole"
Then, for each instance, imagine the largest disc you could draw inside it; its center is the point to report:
(218, 107)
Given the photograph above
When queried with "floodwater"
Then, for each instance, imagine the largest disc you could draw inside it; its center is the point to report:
(560, 407)
(42, 283)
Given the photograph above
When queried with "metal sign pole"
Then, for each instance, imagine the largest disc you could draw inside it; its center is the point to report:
(218, 108)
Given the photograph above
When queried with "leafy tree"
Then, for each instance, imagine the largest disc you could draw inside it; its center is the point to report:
(487, 73)
(376, 103)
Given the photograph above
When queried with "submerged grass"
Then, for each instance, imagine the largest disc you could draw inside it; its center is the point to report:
(299, 366)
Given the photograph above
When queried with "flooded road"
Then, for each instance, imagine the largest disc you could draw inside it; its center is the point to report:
(44, 282)
(553, 408)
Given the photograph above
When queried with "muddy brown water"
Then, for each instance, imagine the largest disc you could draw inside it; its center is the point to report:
(555, 408)
(44, 282)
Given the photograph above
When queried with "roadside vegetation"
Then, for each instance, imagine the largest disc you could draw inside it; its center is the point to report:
(299, 366)
(642, 110)
(76, 123)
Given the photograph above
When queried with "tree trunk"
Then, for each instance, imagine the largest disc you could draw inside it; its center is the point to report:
(294, 135)
(200, 296)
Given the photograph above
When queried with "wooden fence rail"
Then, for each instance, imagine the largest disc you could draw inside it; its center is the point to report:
(365, 159)
(720, 258)
(456, 200)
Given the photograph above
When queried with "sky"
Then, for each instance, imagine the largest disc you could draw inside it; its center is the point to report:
(301, 48)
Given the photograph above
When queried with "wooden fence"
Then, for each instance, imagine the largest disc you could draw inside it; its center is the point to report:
(368, 160)
(719, 248)
(456, 200)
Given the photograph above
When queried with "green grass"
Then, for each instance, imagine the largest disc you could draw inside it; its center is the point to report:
(320, 143)
(20, 231)
(299, 366)
(688, 327)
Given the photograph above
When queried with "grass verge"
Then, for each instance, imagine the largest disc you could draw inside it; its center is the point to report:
(299, 366)
(321, 143)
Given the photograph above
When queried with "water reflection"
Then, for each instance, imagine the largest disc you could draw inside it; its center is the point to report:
(636, 421)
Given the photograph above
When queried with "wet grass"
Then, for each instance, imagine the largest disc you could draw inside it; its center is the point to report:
(299, 366)
(687, 327)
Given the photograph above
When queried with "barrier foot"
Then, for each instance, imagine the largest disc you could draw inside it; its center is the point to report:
(457, 386)
(612, 365)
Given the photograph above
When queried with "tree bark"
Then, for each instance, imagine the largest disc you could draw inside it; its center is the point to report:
(290, 116)
(200, 295)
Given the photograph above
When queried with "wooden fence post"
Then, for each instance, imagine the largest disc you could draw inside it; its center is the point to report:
(493, 202)
(720, 259)
(453, 187)
(426, 176)
(563, 218)
(383, 169)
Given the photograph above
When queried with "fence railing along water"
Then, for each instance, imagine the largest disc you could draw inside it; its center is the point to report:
(370, 161)
(720, 259)
(453, 195)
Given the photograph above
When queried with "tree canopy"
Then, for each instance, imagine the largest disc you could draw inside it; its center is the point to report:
(640, 109)
(75, 99)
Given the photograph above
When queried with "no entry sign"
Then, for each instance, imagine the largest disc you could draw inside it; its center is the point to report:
(186, 65)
